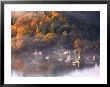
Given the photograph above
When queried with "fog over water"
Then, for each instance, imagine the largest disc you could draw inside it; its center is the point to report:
(84, 73)
(78, 73)
(57, 64)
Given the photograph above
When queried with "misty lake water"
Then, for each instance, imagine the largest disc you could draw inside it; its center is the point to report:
(85, 72)
(56, 63)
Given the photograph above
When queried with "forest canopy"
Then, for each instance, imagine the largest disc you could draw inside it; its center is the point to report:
(52, 26)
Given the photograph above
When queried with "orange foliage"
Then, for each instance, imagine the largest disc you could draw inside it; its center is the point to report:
(21, 30)
(26, 22)
(19, 41)
(21, 19)
(46, 38)
(13, 28)
(34, 21)
(54, 14)
(38, 33)
(47, 18)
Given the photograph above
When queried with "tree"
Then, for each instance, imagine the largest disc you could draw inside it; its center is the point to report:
(76, 43)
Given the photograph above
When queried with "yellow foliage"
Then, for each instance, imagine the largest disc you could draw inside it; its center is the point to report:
(65, 33)
(49, 36)
(42, 23)
(77, 43)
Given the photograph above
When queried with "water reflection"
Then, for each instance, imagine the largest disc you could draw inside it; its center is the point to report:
(53, 63)
(84, 73)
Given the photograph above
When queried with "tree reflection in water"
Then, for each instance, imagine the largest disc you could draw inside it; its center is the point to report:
(53, 63)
